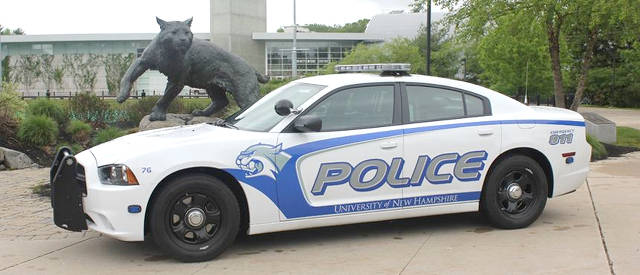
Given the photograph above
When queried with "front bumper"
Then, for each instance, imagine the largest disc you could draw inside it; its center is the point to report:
(68, 186)
(81, 202)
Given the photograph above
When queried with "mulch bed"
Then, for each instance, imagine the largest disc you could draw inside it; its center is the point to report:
(616, 151)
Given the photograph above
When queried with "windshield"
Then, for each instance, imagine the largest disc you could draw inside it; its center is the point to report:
(261, 116)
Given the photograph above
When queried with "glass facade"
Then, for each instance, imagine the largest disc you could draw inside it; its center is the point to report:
(312, 56)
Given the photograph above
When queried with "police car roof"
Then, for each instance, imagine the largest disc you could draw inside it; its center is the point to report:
(499, 101)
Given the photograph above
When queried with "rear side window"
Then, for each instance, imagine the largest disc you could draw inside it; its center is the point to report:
(475, 105)
(430, 103)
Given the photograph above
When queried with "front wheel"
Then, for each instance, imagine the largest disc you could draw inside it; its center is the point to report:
(515, 192)
(194, 218)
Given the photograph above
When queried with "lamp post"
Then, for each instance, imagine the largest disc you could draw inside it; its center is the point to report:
(294, 52)
(1, 59)
(464, 71)
(428, 37)
(526, 85)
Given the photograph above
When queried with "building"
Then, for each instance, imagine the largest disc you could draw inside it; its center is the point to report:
(397, 24)
(314, 50)
(16, 47)
(238, 26)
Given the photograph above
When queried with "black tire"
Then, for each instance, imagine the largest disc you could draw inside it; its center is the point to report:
(202, 196)
(505, 209)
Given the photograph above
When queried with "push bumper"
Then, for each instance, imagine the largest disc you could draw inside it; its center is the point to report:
(68, 186)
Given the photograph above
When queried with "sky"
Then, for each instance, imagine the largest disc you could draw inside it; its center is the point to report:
(138, 16)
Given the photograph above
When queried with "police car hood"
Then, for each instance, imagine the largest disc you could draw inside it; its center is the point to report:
(130, 146)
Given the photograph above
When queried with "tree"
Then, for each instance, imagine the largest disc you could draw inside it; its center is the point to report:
(115, 66)
(514, 58)
(28, 70)
(58, 76)
(579, 23)
(418, 6)
(17, 31)
(83, 70)
(6, 69)
(358, 26)
(399, 50)
(446, 53)
(46, 62)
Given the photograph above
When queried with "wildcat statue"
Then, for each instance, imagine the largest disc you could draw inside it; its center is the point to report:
(186, 60)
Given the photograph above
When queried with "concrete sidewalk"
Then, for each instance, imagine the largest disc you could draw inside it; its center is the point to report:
(595, 230)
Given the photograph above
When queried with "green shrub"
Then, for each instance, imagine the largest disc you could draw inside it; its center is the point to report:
(79, 131)
(107, 134)
(90, 108)
(49, 108)
(38, 130)
(11, 103)
(597, 149)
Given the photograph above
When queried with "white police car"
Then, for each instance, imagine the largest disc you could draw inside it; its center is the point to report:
(326, 150)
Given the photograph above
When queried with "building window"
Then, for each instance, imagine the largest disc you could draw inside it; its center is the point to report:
(42, 48)
(312, 57)
(139, 52)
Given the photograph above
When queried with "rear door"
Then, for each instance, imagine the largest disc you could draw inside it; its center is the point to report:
(450, 138)
(343, 168)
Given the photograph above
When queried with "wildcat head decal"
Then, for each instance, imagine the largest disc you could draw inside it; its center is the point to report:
(262, 159)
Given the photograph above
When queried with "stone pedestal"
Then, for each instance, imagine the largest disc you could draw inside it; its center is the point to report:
(174, 120)
(600, 127)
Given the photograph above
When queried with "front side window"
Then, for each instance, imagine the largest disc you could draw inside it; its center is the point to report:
(430, 103)
(356, 108)
(261, 116)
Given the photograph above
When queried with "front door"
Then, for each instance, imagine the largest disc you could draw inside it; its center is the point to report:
(346, 167)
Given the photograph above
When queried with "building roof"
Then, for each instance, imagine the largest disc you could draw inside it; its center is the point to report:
(406, 25)
(85, 37)
(278, 36)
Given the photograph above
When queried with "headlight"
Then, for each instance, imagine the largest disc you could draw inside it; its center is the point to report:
(117, 174)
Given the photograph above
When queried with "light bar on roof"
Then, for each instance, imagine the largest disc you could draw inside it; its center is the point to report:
(384, 67)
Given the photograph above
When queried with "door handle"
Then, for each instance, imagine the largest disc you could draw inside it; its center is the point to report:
(485, 132)
(389, 145)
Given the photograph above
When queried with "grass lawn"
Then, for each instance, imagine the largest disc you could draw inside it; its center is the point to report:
(628, 137)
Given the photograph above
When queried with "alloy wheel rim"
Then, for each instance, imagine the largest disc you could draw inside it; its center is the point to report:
(516, 192)
(194, 218)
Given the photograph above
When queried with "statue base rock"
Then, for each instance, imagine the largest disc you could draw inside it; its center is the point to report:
(174, 120)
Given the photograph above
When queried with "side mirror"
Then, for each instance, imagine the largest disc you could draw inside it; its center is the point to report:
(283, 107)
(308, 124)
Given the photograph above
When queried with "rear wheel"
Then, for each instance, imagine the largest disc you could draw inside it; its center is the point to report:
(515, 193)
(195, 218)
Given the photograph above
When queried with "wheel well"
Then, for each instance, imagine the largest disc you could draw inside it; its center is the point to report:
(225, 177)
(534, 154)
